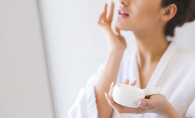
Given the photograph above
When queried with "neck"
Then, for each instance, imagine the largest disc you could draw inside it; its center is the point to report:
(151, 45)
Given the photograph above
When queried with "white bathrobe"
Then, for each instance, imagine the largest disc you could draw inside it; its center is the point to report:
(175, 74)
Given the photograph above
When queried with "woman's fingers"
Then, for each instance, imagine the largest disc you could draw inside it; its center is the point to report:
(111, 89)
(117, 31)
(105, 12)
(145, 103)
(110, 17)
(101, 16)
(155, 101)
(121, 109)
(133, 83)
(99, 22)
(126, 81)
(111, 85)
(113, 104)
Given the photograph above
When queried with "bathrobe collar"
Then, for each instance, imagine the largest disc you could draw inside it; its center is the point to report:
(159, 70)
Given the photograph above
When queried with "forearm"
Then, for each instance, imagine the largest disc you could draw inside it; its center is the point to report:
(170, 112)
(108, 76)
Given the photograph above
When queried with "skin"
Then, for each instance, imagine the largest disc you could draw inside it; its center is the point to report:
(146, 20)
(153, 104)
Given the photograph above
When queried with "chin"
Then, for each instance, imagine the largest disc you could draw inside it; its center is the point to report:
(122, 26)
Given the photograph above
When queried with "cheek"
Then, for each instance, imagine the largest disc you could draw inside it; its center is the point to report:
(144, 15)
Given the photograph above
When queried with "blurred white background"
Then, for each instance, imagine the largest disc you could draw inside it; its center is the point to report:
(76, 46)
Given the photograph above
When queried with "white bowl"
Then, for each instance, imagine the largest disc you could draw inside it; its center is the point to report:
(128, 95)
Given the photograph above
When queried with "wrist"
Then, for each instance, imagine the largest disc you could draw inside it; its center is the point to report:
(116, 54)
(168, 111)
(116, 51)
(163, 111)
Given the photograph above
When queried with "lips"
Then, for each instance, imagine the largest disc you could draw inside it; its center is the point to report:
(121, 10)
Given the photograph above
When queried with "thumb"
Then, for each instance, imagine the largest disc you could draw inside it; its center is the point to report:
(145, 103)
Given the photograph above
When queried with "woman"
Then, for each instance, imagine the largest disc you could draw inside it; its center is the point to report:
(154, 62)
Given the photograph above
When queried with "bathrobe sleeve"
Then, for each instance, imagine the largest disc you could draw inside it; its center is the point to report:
(85, 105)
(190, 113)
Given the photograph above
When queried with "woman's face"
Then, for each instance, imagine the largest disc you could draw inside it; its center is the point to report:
(143, 14)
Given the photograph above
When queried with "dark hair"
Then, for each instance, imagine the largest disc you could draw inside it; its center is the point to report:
(185, 13)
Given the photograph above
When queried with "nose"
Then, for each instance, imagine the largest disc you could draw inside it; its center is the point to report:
(123, 2)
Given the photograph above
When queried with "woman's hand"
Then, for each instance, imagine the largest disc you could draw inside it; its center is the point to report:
(114, 39)
(155, 104)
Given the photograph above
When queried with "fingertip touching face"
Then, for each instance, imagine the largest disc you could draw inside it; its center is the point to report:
(143, 14)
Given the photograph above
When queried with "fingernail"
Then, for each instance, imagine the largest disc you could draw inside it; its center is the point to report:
(106, 96)
(111, 85)
(141, 103)
(126, 80)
